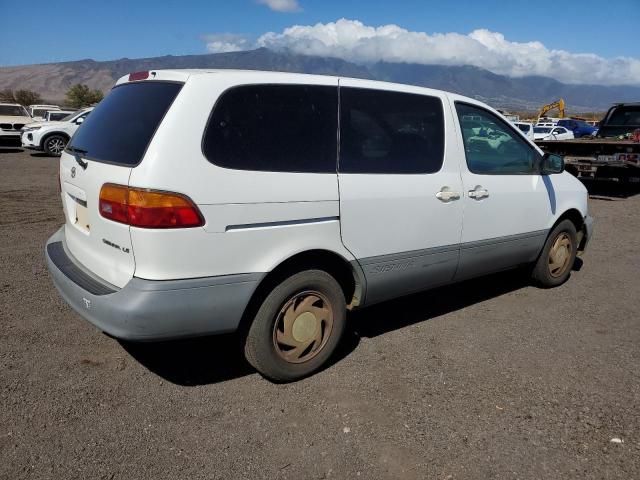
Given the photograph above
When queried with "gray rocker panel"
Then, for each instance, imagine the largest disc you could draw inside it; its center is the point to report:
(394, 275)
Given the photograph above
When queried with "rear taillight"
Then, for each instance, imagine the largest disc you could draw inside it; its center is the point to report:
(145, 208)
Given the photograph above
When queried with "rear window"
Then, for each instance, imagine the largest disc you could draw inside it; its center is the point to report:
(120, 128)
(278, 128)
(625, 116)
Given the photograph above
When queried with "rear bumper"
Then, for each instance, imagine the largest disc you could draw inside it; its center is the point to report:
(147, 310)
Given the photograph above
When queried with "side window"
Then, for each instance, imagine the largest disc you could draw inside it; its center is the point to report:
(277, 128)
(390, 132)
(558, 130)
(492, 146)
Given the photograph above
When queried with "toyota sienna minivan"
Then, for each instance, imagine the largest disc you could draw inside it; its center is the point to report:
(202, 202)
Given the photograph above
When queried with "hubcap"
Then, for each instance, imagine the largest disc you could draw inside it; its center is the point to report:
(56, 145)
(302, 327)
(560, 255)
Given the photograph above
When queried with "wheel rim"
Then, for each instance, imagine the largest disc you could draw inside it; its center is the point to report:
(560, 255)
(303, 327)
(56, 145)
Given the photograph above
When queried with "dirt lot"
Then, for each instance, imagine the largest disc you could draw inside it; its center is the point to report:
(489, 379)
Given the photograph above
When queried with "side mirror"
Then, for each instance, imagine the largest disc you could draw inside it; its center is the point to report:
(551, 163)
(79, 120)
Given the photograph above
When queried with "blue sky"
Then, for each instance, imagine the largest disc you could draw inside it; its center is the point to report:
(104, 30)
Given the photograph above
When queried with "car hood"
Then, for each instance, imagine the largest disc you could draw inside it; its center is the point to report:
(43, 124)
(15, 119)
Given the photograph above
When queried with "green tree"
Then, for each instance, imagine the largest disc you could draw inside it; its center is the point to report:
(27, 97)
(80, 95)
(23, 97)
(7, 96)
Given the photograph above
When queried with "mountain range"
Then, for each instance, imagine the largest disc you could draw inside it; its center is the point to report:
(524, 93)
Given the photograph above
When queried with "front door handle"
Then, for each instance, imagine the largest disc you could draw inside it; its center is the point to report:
(478, 193)
(447, 195)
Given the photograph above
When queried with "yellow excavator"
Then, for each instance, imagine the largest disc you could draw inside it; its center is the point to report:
(559, 104)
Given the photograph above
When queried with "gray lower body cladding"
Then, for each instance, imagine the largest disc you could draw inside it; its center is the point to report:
(394, 275)
(390, 276)
(487, 256)
(146, 310)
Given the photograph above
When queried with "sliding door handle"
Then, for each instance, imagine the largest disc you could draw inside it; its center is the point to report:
(447, 195)
(478, 193)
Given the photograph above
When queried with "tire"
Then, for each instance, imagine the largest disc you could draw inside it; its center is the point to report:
(53, 145)
(298, 326)
(553, 269)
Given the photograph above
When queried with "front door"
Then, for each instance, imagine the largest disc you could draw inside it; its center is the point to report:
(507, 203)
(400, 191)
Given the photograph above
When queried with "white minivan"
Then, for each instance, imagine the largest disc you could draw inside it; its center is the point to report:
(202, 202)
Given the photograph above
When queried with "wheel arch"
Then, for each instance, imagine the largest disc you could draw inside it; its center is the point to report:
(49, 134)
(574, 215)
(347, 273)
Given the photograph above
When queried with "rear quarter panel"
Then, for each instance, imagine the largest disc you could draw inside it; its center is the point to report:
(254, 220)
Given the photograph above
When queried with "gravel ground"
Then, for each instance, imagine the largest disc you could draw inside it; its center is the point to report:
(488, 379)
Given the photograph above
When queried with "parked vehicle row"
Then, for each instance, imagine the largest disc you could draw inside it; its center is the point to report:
(613, 153)
(54, 126)
(202, 202)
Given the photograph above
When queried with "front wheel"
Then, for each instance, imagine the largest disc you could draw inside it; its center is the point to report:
(558, 255)
(54, 145)
(297, 327)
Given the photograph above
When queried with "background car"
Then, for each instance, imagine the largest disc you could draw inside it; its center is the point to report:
(12, 118)
(39, 111)
(52, 137)
(552, 133)
(579, 128)
(526, 128)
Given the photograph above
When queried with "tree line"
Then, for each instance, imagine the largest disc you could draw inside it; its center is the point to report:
(78, 96)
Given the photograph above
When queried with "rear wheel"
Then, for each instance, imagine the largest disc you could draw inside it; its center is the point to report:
(558, 255)
(297, 327)
(54, 145)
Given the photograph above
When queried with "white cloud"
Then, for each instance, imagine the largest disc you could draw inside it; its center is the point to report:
(282, 5)
(353, 41)
(226, 42)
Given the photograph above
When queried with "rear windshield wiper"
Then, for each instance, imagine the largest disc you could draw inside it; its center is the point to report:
(76, 150)
(79, 161)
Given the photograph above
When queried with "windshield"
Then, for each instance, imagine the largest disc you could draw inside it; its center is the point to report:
(541, 129)
(120, 128)
(58, 115)
(68, 117)
(39, 112)
(524, 127)
(13, 111)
